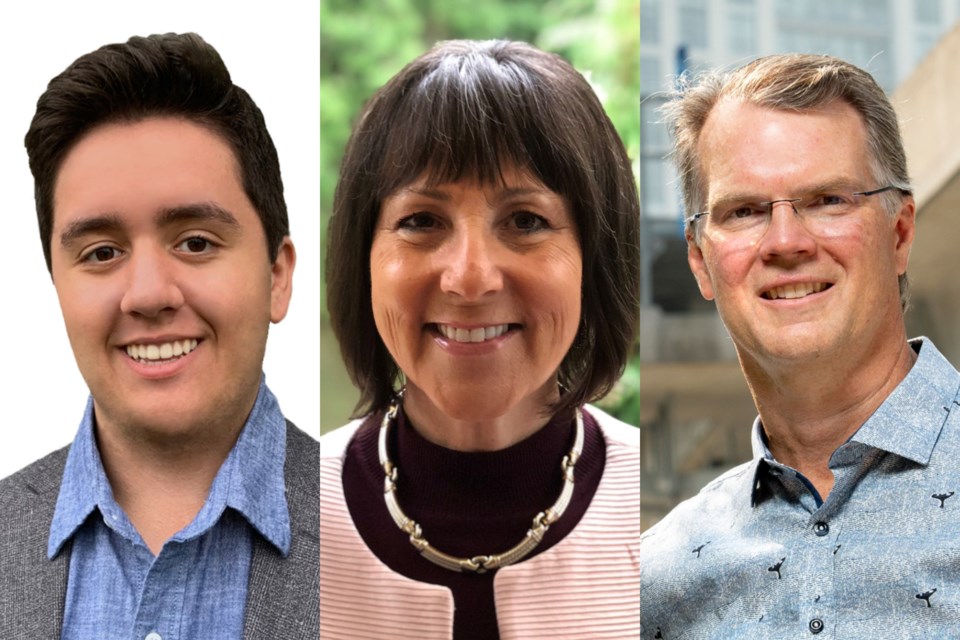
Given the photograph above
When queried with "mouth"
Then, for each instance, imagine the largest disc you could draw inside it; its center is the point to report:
(163, 352)
(794, 291)
(477, 334)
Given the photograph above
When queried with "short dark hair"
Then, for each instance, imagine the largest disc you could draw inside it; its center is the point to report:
(177, 75)
(467, 109)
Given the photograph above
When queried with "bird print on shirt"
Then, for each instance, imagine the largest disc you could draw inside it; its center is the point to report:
(700, 548)
(942, 497)
(925, 596)
(776, 568)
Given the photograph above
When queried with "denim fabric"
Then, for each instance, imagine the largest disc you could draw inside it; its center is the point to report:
(756, 554)
(196, 587)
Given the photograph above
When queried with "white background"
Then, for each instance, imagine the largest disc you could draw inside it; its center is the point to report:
(272, 53)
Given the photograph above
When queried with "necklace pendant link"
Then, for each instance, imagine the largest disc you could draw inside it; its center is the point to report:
(480, 563)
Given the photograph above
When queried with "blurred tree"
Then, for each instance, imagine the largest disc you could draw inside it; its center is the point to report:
(363, 43)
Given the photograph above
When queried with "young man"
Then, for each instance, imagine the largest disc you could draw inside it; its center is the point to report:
(186, 507)
(800, 229)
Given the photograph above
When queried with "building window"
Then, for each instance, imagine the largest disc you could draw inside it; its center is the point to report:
(927, 11)
(693, 23)
(650, 21)
(741, 27)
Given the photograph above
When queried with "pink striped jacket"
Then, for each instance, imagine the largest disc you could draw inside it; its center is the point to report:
(585, 587)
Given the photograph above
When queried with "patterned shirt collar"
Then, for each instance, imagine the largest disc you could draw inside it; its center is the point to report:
(908, 422)
(249, 481)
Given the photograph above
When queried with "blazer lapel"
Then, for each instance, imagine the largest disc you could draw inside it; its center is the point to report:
(283, 596)
(32, 588)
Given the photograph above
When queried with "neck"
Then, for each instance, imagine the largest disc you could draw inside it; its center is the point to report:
(809, 409)
(162, 482)
(482, 432)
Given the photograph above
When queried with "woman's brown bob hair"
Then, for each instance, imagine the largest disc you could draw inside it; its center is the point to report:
(467, 109)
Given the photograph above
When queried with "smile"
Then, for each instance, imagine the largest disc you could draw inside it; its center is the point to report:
(480, 334)
(792, 291)
(161, 352)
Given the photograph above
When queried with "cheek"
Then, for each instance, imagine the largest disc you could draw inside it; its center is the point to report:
(554, 287)
(231, 297)
(729, 271)
(396, 297)
(89, 308)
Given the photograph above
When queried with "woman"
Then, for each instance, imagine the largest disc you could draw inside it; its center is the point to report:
(483, 284)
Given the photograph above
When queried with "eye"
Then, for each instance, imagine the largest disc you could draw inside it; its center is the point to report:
(101, 254)
(420, 221)
(829, 200)
(195, 245)
(529, 222)
(744, 211)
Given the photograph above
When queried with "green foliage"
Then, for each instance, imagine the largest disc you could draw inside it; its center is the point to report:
(365, 42)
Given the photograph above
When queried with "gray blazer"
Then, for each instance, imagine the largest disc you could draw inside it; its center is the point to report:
(283, 598)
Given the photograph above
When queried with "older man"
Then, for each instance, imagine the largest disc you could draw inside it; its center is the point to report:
(187, 506)
(800, 229)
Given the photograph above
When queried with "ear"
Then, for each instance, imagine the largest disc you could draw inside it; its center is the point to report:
(904, 228)
(281, 280)
(697, 265)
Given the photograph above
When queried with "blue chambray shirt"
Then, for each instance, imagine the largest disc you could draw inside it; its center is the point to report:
(756, 554)
(197, 586)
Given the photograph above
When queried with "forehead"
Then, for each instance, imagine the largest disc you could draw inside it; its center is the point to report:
(508, 178)
(132, 169)
(758, 150)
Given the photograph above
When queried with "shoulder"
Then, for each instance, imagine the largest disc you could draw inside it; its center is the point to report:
(300, 472)
(615, 432)
(302, 458)
(333, 445)
(28, 499)
(301, 447)
(39, 481)
(720, 504)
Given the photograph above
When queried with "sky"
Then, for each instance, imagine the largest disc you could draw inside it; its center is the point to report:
(272, 53)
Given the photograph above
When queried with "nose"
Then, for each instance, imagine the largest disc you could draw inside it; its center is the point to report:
(786, 237)
(471, 267)
(152, 286)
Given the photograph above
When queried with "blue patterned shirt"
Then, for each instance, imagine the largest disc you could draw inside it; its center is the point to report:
(756, 554)
(196, 587)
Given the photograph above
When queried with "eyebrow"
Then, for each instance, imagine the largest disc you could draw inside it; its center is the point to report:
(167, 216)
(197, 211)
(93, 224)
(839, 183)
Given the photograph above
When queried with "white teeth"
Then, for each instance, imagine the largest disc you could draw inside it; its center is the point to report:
(472, 335)
(791, 291)
(165, 351)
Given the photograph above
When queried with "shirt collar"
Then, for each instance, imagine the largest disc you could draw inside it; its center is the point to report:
(250, 480)
(909, 421)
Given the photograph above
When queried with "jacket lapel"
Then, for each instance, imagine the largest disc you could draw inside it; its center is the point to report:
(283, 596)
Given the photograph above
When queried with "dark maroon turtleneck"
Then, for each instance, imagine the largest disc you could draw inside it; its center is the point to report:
(468, 504)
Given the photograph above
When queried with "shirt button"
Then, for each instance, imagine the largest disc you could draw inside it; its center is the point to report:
(153, 635)
(816, 626)
(821, 529)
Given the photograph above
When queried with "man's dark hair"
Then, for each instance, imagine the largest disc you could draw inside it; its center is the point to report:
(169, 75)
(468, 110)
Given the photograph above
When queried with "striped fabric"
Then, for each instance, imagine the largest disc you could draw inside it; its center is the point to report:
(585, 587)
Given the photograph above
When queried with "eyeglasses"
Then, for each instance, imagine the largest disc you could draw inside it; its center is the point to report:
(820, 212)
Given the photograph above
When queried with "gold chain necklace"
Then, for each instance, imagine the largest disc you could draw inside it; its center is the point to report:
(478, 564)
